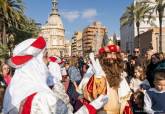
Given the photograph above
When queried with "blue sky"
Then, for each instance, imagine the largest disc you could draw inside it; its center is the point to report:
(77, 14)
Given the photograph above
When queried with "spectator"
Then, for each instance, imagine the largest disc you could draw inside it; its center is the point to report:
(139, 80)
(130, 68)
(80, 64)
(73, 71)
(161, 55)
(138, 103)
(150, 68)
(3, 86)
(138, 58)
(6, 73)
(147, 58)
(155, 97)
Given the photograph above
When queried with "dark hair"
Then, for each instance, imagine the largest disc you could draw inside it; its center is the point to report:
(133, 58)
(136, 48)
(156, 55)
(159, 71)
(159, 75)
(139, 96)
(150, 47)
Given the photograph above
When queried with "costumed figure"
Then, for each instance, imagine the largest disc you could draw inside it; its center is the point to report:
(109, 79)
(28, 92)
(119, 92)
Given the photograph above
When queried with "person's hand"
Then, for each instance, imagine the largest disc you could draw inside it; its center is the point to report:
(100, 101)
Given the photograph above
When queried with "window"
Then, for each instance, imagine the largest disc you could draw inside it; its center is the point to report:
(54, 42)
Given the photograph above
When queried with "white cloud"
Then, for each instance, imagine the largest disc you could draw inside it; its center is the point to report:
(89, 13)
(71, 15)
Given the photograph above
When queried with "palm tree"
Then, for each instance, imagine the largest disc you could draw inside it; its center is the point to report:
(159, 7)
(11, 12)
(2, 18)
(136, 13)
(3, 52)
(28, 29)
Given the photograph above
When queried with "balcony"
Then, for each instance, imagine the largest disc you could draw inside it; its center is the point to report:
(90, 34)
(90, 37)
(87, 41)
(88, 49)
(88, 45)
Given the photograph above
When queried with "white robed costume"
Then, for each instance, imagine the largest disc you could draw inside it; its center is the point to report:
(30, 77)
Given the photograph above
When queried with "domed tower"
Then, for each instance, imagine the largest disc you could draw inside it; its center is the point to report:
(53, 32)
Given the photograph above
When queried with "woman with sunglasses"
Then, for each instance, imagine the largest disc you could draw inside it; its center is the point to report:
(138, 60)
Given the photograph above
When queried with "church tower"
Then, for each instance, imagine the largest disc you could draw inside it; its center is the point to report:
(53, 32)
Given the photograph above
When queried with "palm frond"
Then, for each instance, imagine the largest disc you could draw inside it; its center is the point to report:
(3, 51)
(136, 13)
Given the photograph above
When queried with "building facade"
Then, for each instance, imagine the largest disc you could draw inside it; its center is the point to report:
(92, 37)
(67, 46)
(53, 32)
(76, 47)
(129, 32)
(149, 39)
(79, 44)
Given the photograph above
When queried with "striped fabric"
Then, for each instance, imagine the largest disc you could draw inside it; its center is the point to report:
(28, 53)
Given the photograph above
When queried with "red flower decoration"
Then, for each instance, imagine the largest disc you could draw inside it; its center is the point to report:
(113, 48)
(101, 50)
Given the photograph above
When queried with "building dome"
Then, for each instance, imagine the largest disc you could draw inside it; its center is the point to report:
(55, 20)
(54, 33)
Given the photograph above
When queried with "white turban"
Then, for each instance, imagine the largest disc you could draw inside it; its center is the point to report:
(30, 74)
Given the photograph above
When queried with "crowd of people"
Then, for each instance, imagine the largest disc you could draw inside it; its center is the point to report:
(111, 82)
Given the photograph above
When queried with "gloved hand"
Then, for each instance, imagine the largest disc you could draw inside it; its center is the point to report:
(101, 72)
(100, 101)
(92, 56)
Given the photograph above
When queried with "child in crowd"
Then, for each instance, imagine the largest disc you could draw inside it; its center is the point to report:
(138, 103)
(139, 80)
(155, 97)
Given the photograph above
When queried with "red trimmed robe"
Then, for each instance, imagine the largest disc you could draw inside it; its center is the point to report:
(48, 103)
